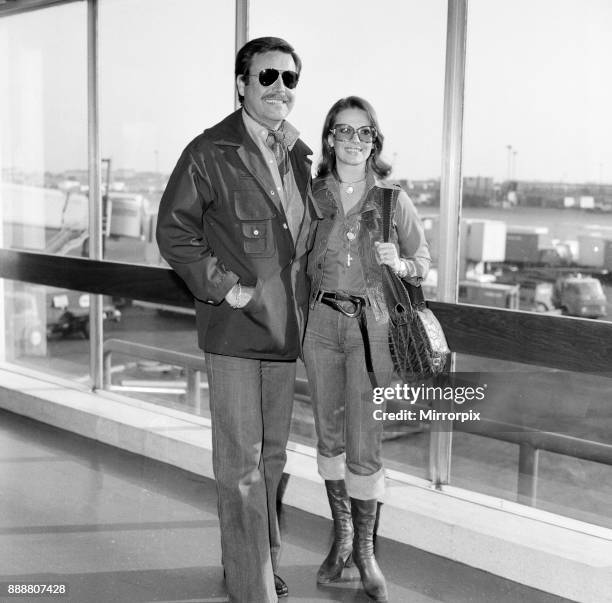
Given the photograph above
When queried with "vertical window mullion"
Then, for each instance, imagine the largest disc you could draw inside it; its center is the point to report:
(95, 201)
(450, 202)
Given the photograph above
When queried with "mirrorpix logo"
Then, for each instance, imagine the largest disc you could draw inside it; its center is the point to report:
(423, 394)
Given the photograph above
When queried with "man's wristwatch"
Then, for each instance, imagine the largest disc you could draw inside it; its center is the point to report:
(236, 293)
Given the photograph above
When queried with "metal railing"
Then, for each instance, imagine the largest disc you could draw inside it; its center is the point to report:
(193, 365)
(529, 440)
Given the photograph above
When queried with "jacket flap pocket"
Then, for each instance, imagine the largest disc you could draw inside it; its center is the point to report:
(254, 230)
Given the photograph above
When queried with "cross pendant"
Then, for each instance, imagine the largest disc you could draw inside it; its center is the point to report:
(348, 259)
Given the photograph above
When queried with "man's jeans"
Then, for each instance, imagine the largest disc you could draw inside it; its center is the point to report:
(342, 397)
(250, 406)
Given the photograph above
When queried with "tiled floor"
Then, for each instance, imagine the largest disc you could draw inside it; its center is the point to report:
(117, 527)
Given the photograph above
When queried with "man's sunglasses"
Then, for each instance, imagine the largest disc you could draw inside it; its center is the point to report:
(268, 76)
(345, 133)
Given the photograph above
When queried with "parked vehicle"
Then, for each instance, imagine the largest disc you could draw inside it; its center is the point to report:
(497, 295)
(579, 295)
(68, 312)
(534, 295)
(526, 245)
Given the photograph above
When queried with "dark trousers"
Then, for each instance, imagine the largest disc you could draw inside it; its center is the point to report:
(250, 404)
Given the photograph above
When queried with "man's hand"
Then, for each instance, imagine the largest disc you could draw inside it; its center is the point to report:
(239, 295)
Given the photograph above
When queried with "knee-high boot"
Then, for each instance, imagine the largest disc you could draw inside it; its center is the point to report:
(339, 555)
(364, 520)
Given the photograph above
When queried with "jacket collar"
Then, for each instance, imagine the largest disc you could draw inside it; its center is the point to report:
(330, 183)
(232, 131)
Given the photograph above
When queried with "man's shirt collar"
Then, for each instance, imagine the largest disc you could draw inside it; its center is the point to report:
(260, 132)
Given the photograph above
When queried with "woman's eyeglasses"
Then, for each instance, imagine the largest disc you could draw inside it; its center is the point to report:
(345, 133)
(268, 76)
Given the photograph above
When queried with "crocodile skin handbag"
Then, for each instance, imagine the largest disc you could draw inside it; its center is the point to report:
(416, 340)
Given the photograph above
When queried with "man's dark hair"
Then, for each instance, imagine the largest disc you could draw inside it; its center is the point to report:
(327, 164)
(245, 55)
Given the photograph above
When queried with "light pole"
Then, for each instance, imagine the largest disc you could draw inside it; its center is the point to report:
(514, 154)
(509, 161)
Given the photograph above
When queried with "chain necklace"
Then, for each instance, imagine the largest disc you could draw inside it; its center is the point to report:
(350, 232)
(350, 189)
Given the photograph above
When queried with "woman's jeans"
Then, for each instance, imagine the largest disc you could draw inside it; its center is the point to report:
(349, 438)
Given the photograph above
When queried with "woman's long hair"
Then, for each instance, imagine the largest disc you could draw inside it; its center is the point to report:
(327, 165)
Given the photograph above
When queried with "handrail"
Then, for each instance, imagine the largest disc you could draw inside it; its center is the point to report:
(194, 364)
(131, 348)
(561, 342)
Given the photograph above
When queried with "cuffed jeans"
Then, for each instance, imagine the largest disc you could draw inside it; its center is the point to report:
(349, 438)
(250, 405)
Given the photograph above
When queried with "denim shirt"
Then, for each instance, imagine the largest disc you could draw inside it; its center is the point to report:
(408, 235)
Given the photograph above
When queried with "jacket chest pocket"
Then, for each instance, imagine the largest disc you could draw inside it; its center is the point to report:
(258, 239)
(256, 219)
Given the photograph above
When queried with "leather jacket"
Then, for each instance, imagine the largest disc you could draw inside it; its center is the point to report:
(220, 221)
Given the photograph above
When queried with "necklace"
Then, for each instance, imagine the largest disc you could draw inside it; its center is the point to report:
(350, 189)
(350, 231)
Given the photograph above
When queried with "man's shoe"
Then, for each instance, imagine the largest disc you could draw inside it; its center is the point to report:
(282, 590)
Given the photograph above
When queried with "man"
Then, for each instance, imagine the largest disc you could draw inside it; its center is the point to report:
(236, 221)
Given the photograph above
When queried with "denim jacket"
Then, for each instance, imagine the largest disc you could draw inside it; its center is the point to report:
(409, 236)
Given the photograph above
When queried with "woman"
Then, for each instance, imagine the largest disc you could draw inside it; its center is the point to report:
(345, 267)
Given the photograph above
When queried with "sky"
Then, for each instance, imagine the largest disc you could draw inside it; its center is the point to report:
(537, 81)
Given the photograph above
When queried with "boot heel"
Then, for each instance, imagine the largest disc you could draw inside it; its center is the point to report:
(364, 520)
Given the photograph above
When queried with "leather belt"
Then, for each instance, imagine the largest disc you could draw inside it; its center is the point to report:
(334, 300)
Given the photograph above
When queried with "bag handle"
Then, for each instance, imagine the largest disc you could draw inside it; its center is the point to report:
(416, 293)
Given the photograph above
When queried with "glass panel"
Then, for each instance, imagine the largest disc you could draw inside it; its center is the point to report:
(148, 373)
(564, 415)
(154, 376)
(43, 130)
(536, 161)
(540, 235)
(47, 328)
(166, 73)
(401, 72)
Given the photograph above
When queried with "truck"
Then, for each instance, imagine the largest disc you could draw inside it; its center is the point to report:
(535, 295)
(579, 295)
(595, 249)
(564, 289)
(527, 245)
(497, 295)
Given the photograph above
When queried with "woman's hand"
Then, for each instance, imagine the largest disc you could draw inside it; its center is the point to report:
(386, 253)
